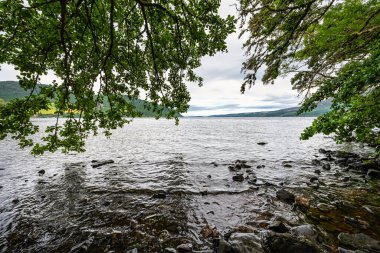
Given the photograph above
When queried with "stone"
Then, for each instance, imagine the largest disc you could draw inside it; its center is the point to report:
(245, 243)
(238, 178)
(41, 172)
(185, 248)
(262, 143)
(287, 243)
(133, 251)
(346, 178)
(315, 162)
(326, 166)
(209, 176)
(285, 196)
(286, 165)
(278, 226)
(15, 201)
(356, 223)
(312, 179)
(317, 172)
(359, 241)
(302, 202)
(373, 173)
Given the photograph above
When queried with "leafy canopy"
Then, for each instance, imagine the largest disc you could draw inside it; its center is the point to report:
(332, 49)
(102, 51)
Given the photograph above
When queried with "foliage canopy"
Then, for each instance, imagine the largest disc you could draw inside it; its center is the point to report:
(332, 48)
(102, 51)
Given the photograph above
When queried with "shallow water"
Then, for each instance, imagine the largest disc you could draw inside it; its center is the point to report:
(74, 207)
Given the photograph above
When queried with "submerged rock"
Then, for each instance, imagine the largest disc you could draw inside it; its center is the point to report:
(359, 241)
(285, 196)
(238, 178)
(286, 243)
(262, 143)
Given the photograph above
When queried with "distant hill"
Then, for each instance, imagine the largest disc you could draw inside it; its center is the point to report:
(322, 108)
(11, 89)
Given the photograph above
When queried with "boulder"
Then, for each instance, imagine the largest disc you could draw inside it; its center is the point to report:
(359, 241)
(287, 243)
(285, 196)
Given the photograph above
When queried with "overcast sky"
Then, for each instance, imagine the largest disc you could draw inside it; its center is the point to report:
(220, 93)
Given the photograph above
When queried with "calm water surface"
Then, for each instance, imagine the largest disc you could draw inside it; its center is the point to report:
(76, 208)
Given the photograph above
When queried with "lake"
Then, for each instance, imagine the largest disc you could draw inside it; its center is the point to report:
(168, 183)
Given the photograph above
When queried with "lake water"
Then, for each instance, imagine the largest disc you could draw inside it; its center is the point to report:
(167, 182)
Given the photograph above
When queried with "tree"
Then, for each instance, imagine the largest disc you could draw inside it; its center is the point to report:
(102, 51)
(2, 103)
(332, 49)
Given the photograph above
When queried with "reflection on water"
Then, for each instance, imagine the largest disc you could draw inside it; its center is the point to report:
(167, 183)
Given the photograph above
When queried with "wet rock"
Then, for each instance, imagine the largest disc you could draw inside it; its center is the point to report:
(215, 164)
(359, 241)
(159, 195)
(252, 180)
(285, 196)
(286, 165)
(325, 207)
(15, 201)
(373, 173)
(209, 176)
(246, 166)
(286, 243)
(249, 171)
(326, 166)
(170, 250)
(262, 143)
(96, 163)
(317, 172)
(308, 231)
(133, 251)
(106, 203)
(245, 243)
(185, 248)
(238, 178)
(278, 226)
(41, 172)
(346, 179)
(322, 151)
(260, 166)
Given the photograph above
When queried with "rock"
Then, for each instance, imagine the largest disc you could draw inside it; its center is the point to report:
(315, 162)
(308, 231)
(312, 179)
(302, 202)
(373, 173)
(96, 163)
(15, 201)
(252, 181)
(322, 151)
(185, 248)
(341, 250)
(106, 203)
(209, 176)
(326, 166)
(208, 231)
(215, 164)
(325, 207)
(224, 247)
(159, 195)
(278, 226)
(359, 241)
(262, 143)
(286, 243)
(246, 166)
(238, 178)
(317, 172)
(170, 250)
(286, 165)
(346, 179)
(249, 171)
(41, 172)
(245, 243)
(285, 196)
(133, 251)
(260, 166)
